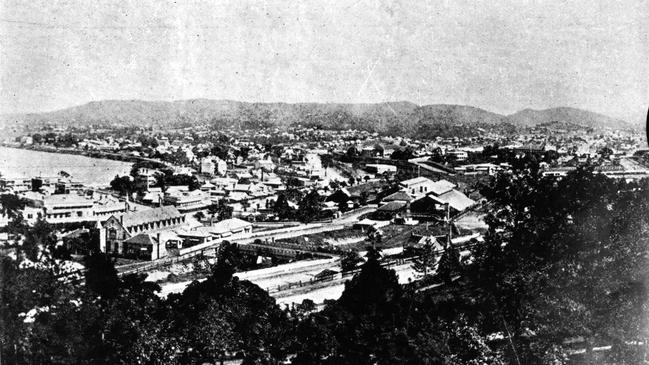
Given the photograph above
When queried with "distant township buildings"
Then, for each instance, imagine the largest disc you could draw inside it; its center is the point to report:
(61, 201)
(71, 208)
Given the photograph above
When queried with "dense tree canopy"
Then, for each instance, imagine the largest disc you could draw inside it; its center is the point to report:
(221, 210)
(123, 184)
(565, 259)
(282, 209)
(310, 207)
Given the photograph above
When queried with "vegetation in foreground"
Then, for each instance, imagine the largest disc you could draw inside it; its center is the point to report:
(563, 268)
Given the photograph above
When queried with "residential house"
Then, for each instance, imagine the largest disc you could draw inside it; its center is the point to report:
(358, 194)
(265, 164)
(207, 166)
(232, 228)
(435, 205)
(154, 196)
(417, 186)
(221, 167)
(71, 208)
(399, 196)
(188, 201)
(458, 155)
(15, 185)
(146, 178)
(390, 210)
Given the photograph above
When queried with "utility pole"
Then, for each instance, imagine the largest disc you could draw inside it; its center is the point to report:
(448, 225)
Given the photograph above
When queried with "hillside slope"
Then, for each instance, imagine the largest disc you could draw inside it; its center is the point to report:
(396, 118)
(531, 117)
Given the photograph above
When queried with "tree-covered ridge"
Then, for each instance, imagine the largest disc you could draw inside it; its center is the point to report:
(393, 118)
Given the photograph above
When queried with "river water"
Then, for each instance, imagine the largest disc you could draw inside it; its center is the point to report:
(90, 171)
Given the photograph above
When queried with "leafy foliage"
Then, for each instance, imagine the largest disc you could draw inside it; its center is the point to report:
(282, 209)
(221, 210)
(350, 260)
(562, 259)
(11, 205)
(565, 259)
(310, 207)
(427, 258)
(123, 184)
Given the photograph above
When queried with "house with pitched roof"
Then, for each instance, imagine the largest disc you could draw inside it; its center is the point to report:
(399, 196)
(390, 210)
(358, 194)
(188, 201)
(432, 205)
(417, 186)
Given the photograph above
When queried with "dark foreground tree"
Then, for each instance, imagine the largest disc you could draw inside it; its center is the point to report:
(427, 257)
(246, 315)
(310, 207)
(350, 260)
(282, 209)
(376, 322)
(564, 260)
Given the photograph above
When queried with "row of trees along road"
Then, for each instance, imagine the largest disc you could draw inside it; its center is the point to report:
(561, 260)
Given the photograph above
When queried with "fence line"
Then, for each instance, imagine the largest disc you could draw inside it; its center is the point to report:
(337, 276)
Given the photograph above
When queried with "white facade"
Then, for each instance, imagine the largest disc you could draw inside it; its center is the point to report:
(71, 208)
(207, 166)
(221, 166)
(418, 186)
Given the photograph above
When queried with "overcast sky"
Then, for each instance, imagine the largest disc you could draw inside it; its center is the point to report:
(498, 55)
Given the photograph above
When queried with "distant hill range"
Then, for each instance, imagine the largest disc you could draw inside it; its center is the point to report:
(396, 118)
(531, 117)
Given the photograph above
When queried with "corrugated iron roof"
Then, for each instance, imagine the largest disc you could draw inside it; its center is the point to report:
(442, 186)
(149, 216)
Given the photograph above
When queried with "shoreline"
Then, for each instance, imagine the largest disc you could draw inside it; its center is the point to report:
(90, 154)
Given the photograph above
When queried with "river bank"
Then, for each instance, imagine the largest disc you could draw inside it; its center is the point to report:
(89, 170)
(87, 153)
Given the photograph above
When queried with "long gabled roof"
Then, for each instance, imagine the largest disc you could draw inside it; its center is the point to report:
(149, 216)
(142, 239)
(392, 206)
(368, 187)
(416, 180)
(455, 199)
(229, 225)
